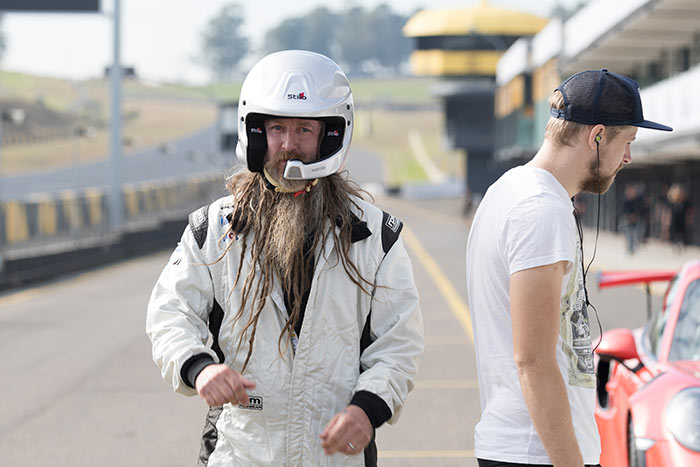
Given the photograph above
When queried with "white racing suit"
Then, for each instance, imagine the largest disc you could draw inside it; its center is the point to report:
(295, 395)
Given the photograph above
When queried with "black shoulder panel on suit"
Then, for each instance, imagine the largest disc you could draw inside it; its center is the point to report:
(391, 228)
(199, 222)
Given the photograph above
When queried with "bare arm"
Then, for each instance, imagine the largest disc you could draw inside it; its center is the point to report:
(534, 303)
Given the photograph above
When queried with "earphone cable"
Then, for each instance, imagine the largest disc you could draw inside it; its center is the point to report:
(595, 248)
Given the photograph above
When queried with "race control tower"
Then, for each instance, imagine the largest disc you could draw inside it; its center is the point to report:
(462, 46)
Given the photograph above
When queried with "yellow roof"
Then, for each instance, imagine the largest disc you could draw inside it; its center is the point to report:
(481, 19)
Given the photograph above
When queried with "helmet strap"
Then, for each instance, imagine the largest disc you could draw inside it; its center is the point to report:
(276, 186)
(307, 188)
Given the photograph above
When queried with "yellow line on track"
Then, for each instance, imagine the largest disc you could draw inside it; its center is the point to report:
(19, 297)
(382, 454)
(457, 306)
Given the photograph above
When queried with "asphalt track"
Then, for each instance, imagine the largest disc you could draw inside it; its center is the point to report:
(80, 389)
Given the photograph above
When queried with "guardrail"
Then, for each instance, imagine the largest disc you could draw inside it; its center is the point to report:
(46, 235)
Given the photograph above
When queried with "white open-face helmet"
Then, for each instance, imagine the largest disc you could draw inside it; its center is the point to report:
(296, 84)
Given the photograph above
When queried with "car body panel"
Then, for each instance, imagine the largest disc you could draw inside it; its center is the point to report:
(637, 382)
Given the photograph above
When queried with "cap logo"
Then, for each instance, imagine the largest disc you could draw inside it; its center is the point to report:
(256, 130)
(301, 96)
(333, 133)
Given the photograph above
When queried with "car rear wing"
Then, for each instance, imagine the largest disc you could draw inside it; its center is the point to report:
(617, 278)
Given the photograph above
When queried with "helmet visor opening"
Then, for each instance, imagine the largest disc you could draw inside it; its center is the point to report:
(332, 140)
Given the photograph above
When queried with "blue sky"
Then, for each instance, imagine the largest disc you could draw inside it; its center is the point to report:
(162, 38)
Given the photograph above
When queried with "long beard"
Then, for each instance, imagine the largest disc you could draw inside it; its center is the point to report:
(292, 220)
(274, 228)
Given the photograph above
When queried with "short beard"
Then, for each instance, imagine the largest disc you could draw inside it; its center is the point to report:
(595, 183)
(276, 171)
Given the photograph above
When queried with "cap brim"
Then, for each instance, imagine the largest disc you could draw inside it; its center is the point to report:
(653, 125)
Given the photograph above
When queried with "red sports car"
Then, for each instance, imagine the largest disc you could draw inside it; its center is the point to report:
(648, 404)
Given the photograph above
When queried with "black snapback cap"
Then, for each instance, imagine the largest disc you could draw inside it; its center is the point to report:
(602, 97)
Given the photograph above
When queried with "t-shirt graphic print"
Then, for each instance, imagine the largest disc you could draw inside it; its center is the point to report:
(575, 328)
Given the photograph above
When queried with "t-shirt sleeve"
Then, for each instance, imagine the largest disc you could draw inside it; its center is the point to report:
(537, 232)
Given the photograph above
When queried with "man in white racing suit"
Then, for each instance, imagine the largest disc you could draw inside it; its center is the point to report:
(305, 288)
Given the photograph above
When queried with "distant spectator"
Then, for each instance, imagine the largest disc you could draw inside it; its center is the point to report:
(646, 201)
(632, 218)
(681, 216)
(661, 221)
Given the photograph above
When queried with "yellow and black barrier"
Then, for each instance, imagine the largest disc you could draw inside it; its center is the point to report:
(43, 220)
(48, 235)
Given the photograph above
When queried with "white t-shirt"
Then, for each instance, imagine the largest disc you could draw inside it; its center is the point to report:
(526, 220)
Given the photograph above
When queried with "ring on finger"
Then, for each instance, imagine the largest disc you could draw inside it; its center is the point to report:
(351, 446)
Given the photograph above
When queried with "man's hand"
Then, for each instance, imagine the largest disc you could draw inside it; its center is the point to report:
(218, 384)
(349, 432)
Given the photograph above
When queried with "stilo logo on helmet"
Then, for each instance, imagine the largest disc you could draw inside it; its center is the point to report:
(301, 96)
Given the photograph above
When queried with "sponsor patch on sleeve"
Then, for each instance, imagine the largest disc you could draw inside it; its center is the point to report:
(391, 228)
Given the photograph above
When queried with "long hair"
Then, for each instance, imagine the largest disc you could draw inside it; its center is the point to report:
(275, 226)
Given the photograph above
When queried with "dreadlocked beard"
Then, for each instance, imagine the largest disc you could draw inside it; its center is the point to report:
(275, 227)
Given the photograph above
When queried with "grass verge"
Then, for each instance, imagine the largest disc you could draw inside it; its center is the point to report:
(161, 113)
(385, 132)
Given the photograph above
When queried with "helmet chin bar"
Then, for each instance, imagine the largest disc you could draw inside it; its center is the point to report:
(296, 170)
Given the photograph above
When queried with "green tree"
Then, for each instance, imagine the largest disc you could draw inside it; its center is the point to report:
(355, 39)
(320, 36)
(287, 35)
(362, 41)
(390, 47)
(224, 46)
(315, 32)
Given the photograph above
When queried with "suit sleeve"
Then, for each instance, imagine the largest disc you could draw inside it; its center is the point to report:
(390, 362)
(178, 312)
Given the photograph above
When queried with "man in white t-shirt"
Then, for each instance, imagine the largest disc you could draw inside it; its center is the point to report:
(525, 280)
